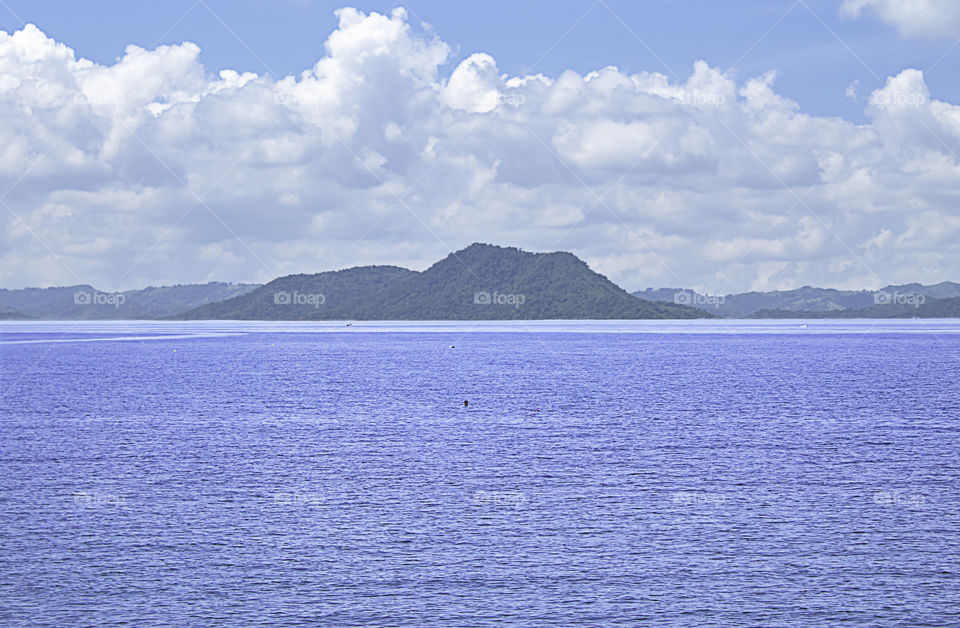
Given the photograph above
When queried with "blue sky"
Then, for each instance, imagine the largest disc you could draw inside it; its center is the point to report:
(736, 146)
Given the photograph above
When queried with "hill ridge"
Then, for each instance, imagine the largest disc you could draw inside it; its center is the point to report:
(480, 282)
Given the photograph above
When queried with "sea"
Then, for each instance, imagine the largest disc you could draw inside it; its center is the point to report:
(542, 473)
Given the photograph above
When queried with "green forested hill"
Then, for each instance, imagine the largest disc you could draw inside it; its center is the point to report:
(894, 301)
(481, 282)
(330, 295)
(84, 302)
(931, 308)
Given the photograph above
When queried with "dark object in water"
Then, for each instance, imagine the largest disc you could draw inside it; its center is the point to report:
(465, 403)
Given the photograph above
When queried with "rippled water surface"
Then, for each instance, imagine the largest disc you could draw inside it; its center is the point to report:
(604, 473)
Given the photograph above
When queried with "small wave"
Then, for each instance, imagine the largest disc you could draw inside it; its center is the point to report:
(116, 338)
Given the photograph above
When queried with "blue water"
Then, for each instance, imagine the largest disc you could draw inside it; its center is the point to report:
(604, 473)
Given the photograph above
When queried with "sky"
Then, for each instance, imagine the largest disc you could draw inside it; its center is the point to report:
(755, 145)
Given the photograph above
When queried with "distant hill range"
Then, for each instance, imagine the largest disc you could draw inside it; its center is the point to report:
(941, 300)
(481, 282)
(84, 302)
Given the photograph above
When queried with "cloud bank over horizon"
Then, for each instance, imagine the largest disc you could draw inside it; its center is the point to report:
(390, 149)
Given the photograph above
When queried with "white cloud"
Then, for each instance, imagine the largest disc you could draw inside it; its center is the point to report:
(289, 198)
(851, 91)
(912, 18)
(153, 170)
(473, 85)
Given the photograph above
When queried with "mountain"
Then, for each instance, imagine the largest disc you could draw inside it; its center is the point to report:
(942, 290)
(734, 305)
(939, 308)
(481, 282)
(929, 308)
(808, 301)
(332, 295)
(86, 302)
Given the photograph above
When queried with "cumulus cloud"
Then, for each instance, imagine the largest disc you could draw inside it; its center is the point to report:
(390, 150)
(851, 91)
(912, 18)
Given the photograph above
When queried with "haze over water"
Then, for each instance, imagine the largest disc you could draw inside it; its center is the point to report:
(774, 473)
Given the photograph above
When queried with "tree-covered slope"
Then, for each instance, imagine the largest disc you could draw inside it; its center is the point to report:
(931, 308)
(481, 282)
(84, 302)
(334, 295)
(811, 302)
(734, 305)
(486, 282)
